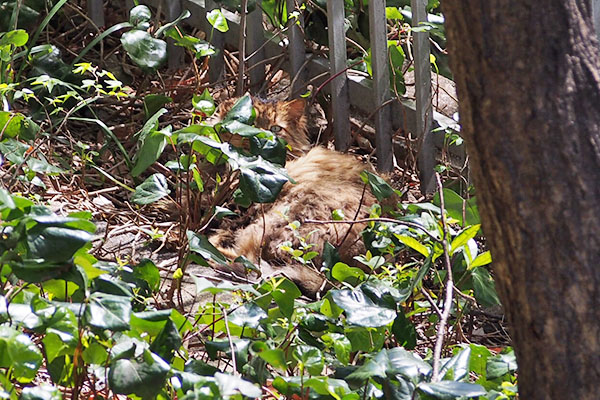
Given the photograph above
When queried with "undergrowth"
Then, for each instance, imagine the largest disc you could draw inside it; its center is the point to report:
(76, 326)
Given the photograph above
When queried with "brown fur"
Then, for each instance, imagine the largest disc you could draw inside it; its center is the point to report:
(326, 180)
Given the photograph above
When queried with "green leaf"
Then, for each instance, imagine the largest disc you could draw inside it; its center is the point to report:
(107, 311)
(147, 52)
(152, 189)
(55, 243)
(147, 271)
(478, 360)
(447, 390)
(167, 341)
(138, 15)
(242, 111)
(199, 244)
(145, 378)
(14, 151)
(414, 244)
(154, 102)
(454, 207)
(284, 293)
(379, 187)
(262, 181)
(482, 259)
(269, 147)
(341, 346)
(204, 103)
(463, 237)
(217, 20)
(501, 365)
(393, 13)
(248, 314)
(42, 392)
(457, 368)
(404, 332)
(343, 273)
(151, 149)
(17, 38)
(309, 358)
(275, 357)
(361, 310)
(18, 352)
(230, 385)
(388, 363)
(15, 125)
(484, 288)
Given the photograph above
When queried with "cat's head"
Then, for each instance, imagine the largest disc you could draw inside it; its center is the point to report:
(287, 119)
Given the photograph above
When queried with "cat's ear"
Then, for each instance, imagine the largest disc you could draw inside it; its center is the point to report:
(296, 108)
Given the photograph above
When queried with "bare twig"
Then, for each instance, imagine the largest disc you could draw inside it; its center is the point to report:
(359, 221)
(242, 48)
(439, 340)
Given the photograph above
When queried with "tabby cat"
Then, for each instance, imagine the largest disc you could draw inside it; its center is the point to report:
(326, 180)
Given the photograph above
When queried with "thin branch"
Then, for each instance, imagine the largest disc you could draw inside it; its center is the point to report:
(242, 48)
(439, 340)
(359, 221)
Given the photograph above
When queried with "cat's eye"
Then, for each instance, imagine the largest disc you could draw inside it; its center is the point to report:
(275, 129)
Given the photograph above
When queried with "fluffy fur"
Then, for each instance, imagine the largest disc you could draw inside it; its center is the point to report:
(326, 180)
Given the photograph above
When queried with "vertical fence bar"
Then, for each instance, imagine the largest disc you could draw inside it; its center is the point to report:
(217, 39)
(95, 10)
(596, 17)
(337, 65)
(381, 85)
(296, 49)
(174, 9)
(256, 38)
(426, 159)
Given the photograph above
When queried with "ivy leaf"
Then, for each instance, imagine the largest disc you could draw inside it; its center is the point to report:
(484, 288)
(231, 385)
(501, 365)
(107, 311)
(242, 111)
(249, 314)
(17, 351)
(217, 20)
(204, 103)
(145, 378)
(199, 244)
(15, 125)
(151, 149)
(55, 243)
(344, 273)
(454, 207)
(463, 237)
(147, 52)
(139, 15)
(448, 390)
(152, 189)
(262, 181)
(379, 187)
(41, 392)
(361, 310)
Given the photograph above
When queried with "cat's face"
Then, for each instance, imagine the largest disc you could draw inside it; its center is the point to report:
(287, 119)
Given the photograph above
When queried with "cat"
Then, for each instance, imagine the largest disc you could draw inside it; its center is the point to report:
(326, 180)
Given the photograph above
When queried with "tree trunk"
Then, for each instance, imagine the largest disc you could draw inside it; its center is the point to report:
(529, 93)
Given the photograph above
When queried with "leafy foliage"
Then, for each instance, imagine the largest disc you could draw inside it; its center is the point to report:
(70, 322)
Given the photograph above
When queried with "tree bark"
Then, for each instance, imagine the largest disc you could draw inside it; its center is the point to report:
(529, 93)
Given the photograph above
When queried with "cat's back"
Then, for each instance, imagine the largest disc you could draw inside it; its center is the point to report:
(320, 166)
